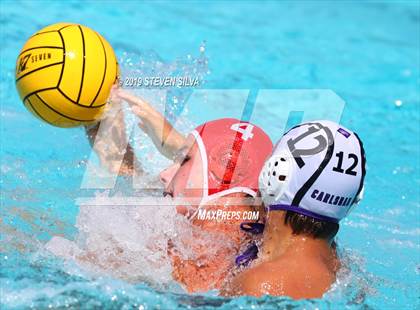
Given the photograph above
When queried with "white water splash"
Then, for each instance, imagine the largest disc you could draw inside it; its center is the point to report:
(130, 242)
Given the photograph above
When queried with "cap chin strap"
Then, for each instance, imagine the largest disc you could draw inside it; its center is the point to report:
(204, 162)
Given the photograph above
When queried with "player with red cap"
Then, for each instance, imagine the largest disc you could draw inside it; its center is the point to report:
(215, 173)
(231, 153)
(222, 159)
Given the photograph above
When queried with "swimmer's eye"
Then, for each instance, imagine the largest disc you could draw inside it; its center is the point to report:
(185, 159)
(182, 158)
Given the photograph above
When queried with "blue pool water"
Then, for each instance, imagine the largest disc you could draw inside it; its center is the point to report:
(367, 52)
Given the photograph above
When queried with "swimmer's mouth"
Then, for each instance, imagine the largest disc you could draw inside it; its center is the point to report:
(165, 194)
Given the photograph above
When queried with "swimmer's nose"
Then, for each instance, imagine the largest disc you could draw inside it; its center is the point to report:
(168, 174)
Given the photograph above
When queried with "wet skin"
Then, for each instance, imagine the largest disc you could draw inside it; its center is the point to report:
(291, 265)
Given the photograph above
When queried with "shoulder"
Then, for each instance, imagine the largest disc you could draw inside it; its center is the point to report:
(281, 278)
(257, 281)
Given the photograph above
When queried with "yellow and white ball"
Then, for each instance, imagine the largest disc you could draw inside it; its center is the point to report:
(64, 74)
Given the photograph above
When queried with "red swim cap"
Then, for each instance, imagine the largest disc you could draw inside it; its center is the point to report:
(233, 153)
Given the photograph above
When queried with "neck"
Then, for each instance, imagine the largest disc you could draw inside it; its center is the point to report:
(279, 239)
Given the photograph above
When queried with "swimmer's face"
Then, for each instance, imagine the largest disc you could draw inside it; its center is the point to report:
(184, 178)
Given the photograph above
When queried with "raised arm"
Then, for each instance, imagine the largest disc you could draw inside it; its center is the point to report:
(166, 138)
(108, 139)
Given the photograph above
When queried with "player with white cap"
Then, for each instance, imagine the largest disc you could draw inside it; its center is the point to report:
(312, 180)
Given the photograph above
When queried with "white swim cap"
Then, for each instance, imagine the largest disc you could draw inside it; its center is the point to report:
(316, 169)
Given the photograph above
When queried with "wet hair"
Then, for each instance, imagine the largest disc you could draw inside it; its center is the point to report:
(306, 225)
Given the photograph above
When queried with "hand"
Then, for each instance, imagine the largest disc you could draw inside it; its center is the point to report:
(166, 138)
(139, 106)
(113, 96)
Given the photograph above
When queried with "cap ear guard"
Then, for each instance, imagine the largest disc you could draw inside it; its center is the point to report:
(274, 177)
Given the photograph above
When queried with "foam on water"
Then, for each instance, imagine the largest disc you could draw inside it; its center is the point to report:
(129, 243)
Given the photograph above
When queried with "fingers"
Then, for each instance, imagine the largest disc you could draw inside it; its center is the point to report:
(113, 96)
(138, 106)
(131, 99)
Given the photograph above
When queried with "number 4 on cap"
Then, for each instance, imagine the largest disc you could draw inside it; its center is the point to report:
(245, 129)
